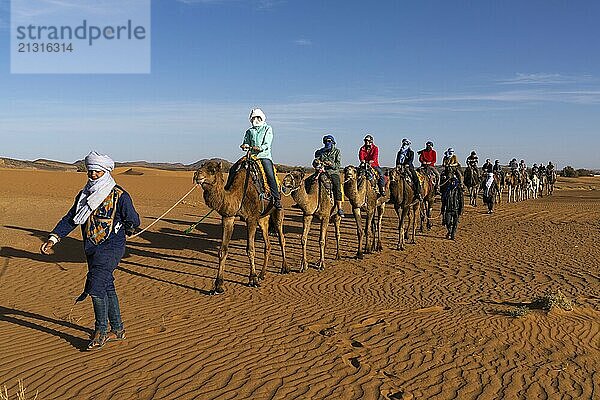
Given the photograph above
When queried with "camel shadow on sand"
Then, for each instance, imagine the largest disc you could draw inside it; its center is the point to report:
(14, 316)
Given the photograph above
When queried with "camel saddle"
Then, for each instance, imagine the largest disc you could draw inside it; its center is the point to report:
(257, 175)
(325, 182)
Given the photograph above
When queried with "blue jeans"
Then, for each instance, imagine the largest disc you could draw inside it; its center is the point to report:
(381, 178)
(271, 181)
(107, 309)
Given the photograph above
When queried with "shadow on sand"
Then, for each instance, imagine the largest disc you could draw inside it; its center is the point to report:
(10, 315)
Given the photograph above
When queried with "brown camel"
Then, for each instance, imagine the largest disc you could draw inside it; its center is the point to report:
(428, 195)
(362, 195)
(314, 200)
(402, 196)
(379, 211)
(551, 181)
(513, 184)
(241, 199)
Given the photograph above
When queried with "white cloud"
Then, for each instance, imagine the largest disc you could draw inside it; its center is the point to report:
(543, 79)
(302, 42)
(257, 4)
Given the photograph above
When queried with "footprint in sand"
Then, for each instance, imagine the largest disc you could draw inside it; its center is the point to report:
(156, 329)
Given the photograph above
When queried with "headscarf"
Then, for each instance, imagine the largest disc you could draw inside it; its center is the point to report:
(328, 141)
(94, 191)
(449, 152)
(257, 112)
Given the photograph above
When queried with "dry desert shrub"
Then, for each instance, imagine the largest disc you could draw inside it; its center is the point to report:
(553, 299)
(19, 395)
(519, 311)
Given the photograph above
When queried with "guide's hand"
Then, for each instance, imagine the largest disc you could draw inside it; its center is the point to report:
(47, 247)
(255, 148)
(244, 147)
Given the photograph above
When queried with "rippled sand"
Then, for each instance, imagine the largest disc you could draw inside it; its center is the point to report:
(428, 323)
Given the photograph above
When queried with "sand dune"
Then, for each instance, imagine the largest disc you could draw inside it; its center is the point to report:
(427, 323)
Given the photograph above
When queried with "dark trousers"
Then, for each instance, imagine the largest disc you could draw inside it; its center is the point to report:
(415, 178)
(337, 186)
(381, 180)
(271, 181)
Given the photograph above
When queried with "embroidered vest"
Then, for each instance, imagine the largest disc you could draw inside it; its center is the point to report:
(99, 224)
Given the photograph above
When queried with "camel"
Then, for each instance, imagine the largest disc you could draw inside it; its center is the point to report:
(472, 182)
(402, 196)
(513, 184)
(428, 195)
(314, 199)
(500, 176)
(241, 199)
(525, 186)
(379, 211)
(543, 184)
(534, 186)
(361, 194)
(551, 181)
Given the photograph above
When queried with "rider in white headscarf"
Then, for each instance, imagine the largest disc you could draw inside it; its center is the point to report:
(95, 190)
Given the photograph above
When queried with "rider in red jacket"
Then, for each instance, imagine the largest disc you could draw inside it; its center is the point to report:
(369, 153)
(428, 158)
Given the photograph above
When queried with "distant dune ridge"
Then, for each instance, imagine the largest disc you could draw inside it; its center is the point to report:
(79, 166)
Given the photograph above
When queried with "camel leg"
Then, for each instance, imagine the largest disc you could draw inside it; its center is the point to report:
(359, 231)
(285, 268)
(336, 224)
(305, 230)
(401, 215)
(381, 211)
(250, 251)
(264, 229)
(227, 223)
(322, 242)
(368, 222)
(414, 224)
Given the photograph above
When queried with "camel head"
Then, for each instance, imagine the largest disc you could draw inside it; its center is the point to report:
(292, 181)
(350, 173)
(208, 173)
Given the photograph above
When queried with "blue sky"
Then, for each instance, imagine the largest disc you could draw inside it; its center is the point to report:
(507, 79)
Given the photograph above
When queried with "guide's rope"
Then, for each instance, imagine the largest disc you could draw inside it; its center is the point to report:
(165, 213)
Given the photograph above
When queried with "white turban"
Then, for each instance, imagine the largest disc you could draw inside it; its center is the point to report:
(95, 191)
(99, 162)
(257, 112)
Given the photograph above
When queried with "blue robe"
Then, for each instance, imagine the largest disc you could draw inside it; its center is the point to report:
(104, 257)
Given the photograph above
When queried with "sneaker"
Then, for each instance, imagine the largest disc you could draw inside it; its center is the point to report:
(97, 341)
(341, 213)
(114, 336)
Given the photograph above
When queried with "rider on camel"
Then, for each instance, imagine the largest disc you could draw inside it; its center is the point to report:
(329, 159)
(369, 153)
(451, 161)
(405, 158)
(257, 141)
(497, 167)
(514, 165)
(428, 158)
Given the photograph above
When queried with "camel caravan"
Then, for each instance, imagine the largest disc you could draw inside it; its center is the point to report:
(252, 192)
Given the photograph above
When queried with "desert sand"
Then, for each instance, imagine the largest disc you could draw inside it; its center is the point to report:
(431, 322)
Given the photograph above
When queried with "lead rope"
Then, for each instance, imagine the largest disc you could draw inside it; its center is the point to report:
(165, 213)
